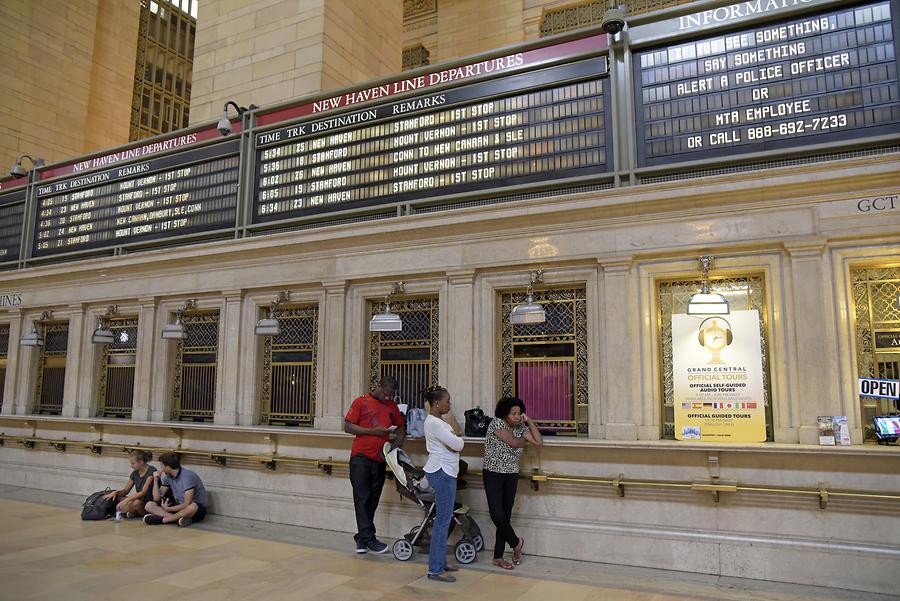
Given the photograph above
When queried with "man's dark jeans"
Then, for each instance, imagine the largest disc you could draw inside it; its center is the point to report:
(367, 478)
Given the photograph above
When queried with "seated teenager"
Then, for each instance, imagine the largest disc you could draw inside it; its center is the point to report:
(180, 484)
(141, 480)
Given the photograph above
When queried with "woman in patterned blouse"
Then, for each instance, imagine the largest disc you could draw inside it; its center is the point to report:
(506, 437)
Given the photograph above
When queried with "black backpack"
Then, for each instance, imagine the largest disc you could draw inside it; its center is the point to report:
(96, 507)
(476, 422)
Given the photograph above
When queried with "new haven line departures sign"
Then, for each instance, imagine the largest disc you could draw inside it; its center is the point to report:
(539, 126)
(818, 78)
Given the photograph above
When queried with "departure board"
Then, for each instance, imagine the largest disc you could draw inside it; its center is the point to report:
(813, 79)
(183, 193)
(12, 216)
(544, 125)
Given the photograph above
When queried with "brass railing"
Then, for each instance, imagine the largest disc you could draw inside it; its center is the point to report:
(619, 483)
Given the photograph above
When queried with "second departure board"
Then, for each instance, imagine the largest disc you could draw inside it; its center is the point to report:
(543, 126)
(182, 193)
(12, 216)
(812, 79)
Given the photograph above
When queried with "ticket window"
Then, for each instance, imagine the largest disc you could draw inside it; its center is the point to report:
(194, 388)
(117, 369)
(545, 364)
(4, 350)
(51, 370)
(876, 305)
(288, 386)
(409, 355)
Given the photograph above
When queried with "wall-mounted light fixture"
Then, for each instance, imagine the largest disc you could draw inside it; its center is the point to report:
(18, 170)
(224, 125)
(270, 326)
(530, 311)
(103, 335)
(706, 302)
(34, 338)
(175, 331)
(387, 321)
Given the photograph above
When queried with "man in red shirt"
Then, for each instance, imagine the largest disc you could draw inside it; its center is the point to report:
(371, 418)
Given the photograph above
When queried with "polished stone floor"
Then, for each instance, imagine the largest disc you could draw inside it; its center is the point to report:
(47, 553)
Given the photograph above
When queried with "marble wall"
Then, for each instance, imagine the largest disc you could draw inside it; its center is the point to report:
(799, 226)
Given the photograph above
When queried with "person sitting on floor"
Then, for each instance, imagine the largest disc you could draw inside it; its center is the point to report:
(141, 479)
(184, 486)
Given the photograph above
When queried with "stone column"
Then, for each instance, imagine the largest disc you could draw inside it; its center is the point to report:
(815, 369)
(12, 364)
(619, 402)
(73, 361)
(229, 360)
(145, 379)
(26, 371)
(330, 395)
(88, 376)
(458, 333)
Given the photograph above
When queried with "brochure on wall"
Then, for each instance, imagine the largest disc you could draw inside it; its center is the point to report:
(841, 430)
(826, 430)
(718, 378)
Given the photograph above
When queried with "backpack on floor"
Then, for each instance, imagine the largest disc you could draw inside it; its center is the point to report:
(96, 507)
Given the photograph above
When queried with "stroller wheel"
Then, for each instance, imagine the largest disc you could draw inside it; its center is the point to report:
(402, 549)
(465, 551)
(479, 541)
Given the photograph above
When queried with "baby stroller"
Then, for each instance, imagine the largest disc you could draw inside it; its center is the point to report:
(412, 484)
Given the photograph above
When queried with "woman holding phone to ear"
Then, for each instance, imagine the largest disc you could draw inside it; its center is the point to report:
(507, 435)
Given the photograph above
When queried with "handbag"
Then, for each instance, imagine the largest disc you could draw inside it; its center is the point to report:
(476, 422)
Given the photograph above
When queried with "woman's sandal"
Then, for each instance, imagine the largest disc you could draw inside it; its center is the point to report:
(502, 563)
(517, 552)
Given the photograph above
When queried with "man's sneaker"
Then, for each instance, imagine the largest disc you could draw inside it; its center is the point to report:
(361, 547)
(152, 520)
(130, 516)
(376, 546)
(184, 522)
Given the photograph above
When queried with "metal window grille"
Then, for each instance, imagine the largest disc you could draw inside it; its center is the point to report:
(164, 66)
(4, 350)
(743, 293)
(410, 355)
(115, 393)
(194, 389)
(587, 14)
(876, 304)
(289, 368)
(51, 369)
(415, 57)
(546, 364)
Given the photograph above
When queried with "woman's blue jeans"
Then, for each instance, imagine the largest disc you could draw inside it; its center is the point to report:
(444, 496)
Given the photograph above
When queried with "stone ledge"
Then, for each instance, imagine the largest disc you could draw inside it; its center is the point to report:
(549, 442)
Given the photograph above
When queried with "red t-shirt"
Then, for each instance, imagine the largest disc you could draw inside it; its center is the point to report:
(369, 412)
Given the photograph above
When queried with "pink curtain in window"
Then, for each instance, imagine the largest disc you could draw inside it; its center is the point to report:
(546, 388)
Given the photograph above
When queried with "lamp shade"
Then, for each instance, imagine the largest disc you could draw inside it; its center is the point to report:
(102, 336)
(32, 338)
(174, 331)
(386, 322)
(707, 303)
(268, 326)
(530, 312)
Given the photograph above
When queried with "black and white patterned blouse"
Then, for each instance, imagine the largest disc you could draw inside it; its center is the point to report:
(499, 457)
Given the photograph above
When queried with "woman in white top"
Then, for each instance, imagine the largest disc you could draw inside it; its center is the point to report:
(442, 468)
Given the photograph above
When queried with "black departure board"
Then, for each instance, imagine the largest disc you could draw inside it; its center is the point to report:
(12, 216)
(543, 125)
(827, 77)
(183, 193)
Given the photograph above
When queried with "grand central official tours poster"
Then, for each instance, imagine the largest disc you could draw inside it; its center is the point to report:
(718, 378)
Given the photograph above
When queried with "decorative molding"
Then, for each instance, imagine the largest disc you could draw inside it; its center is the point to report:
(415, 57)
(418, 8)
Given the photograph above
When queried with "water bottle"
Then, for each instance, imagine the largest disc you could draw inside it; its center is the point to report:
(118, 516)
